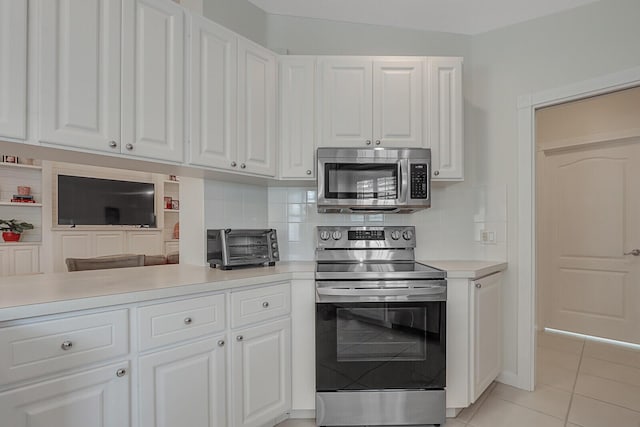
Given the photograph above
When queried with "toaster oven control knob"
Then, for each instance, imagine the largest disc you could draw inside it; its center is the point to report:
(324, 235)
(395, 235)
(274, 245)
(337, 235)
(273, 236)
(407, 235)
(276, 254)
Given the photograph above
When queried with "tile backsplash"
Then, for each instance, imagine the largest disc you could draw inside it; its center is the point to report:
(451, 229)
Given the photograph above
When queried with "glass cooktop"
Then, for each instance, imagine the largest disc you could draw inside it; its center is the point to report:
(381, 270)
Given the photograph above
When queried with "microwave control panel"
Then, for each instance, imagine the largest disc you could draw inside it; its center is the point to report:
(419, 180)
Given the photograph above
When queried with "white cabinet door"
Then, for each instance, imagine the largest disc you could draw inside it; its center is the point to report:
(4, 261)
(345, 114)
(70, 244)
(445, 118)
(184, 386)
(297, 112)
(144, 242)
(213, 94)
(261, 369)
(13, 69)
(487, 332)
(397, 103)
(95, 398)
(25, 260)
(108, 243)
(153, 79)
(256, 109)
(79, 72)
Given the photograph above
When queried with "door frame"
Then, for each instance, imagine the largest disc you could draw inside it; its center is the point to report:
(526, 258)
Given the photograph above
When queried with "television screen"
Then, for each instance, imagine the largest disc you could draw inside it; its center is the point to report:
(95, 201)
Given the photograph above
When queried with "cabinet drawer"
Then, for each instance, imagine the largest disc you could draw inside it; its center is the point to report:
(171, 322)
(257, 305)
(28, 351)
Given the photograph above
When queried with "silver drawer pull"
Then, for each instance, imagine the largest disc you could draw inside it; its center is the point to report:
(239, 338)
(188, 320)
(478, 285)
(66, 345)
(221, 343)
(121, 372)
(265, 304)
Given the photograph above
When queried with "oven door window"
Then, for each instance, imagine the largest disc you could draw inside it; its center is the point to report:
(243, 247)
(351, 181)
(370, 346)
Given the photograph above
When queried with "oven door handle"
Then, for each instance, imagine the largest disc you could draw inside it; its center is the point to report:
(382, 292)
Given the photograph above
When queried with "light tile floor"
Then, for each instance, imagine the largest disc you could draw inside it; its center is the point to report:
(579, 384)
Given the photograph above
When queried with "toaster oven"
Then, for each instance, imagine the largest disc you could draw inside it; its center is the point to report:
(230, 248)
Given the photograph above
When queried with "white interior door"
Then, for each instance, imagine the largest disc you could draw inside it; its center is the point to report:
(590, 219)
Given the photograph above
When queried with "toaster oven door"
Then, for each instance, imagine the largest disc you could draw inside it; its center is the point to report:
(247, 247)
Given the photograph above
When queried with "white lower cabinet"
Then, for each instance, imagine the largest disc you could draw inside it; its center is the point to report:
(487, 333)
(474, 337)
(261, 373)
(184, 386)
(19, 259)
(97, 397)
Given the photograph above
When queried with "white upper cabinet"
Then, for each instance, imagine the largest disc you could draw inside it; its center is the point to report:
(213, 94)
(346, 108)
(297, 112)
(256, 109)
(13, 69)
(370, 102)
(79, 72)
(444, 115)
(397, 103)
(153, 79)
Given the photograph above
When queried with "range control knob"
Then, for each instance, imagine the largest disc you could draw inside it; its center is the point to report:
(407, 235)
(324, 235)
(337, 235)
(395, 234)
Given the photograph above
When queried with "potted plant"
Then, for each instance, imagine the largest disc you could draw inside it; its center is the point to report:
(12, 229)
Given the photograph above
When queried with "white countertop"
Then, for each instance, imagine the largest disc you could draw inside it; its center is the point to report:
(468, 269)
(43, 294)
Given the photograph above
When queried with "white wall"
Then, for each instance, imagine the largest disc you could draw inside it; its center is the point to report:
(545, 53)
(240, 16)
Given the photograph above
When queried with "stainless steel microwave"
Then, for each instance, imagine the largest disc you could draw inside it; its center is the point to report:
(374, 180)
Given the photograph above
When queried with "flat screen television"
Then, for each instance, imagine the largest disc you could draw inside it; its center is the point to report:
(96, 201)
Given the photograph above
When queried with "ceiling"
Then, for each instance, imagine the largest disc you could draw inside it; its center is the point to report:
(453, 16)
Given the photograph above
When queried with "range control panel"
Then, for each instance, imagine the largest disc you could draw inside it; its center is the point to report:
(342, 237)
(419, 181)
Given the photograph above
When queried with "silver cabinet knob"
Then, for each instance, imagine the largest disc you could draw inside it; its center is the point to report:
(221, 343)
(436, 173)
(234, 164)
(129, 146)
(121, 372)
(113, 144)
(368, 142)
(188, 320)
(478, 285)
(378, 142)
(308, 171)
(239, 338)
(265, 304)
(66, 345)
(634, 252)
(242, 166)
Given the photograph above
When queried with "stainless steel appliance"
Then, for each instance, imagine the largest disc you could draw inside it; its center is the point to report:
(231, 248)
(387, 180)
(380, 329)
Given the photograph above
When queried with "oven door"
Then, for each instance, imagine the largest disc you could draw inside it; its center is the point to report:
(380, 345)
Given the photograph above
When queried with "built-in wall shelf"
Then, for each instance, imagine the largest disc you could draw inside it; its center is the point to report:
(172, 210)
(21, 243)
(168, 181)
(18, 165)
(26, 205)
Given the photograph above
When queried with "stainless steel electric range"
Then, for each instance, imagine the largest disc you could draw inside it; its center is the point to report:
(380, 330)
